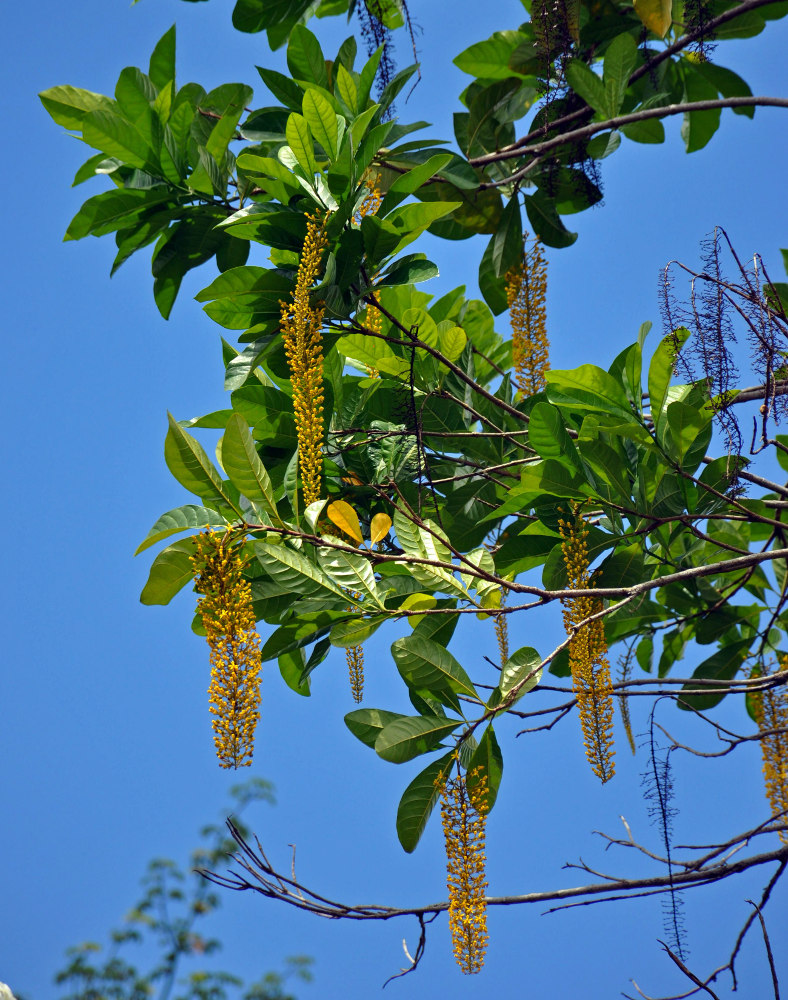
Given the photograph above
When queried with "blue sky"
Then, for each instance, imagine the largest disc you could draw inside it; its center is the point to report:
(107, 757)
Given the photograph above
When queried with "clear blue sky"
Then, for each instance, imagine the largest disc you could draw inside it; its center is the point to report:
(106, 750)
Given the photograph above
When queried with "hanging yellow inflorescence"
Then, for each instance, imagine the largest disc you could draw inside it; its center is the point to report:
(228, 618)
(355, 661)
(502, 632)
(771, 713)
(355, 664)
(464, 816)
(587, 651)
(526, 294)
(301, 329)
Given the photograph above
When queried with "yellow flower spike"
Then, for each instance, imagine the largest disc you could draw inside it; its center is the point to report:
(301, 330)
(227, 615)
(771, 714)
(588, 661)
(526, 295)
(464, 816)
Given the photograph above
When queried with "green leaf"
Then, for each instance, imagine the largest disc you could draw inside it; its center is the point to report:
(408, 270)
(243, 466)
(410, 736)
(187, 461)
(355, 631)
(589, 389)
(546, 223)
(349, 570)
(586, 84)
(619, 62)
(299, 139)
(113, 210)
(283, 88)
(547, 434)
(290, 569)
(660, 371)
(366, 724)
(69, 105)
(181, 519)
(507, 243)
(723, 666)
(162, 60)
(291, 666)
(417, 802)
(486, 762)
(489, 59)
(322, 121)
(171, 571)
(305, 58)
(427, 666)
(109, 132)
(522, 664)
(345, 88)
(690, 430)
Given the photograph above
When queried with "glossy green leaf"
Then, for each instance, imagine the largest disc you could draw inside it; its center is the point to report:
(170, 572)
(366, 724)
(426, 665)
(410, 736)
(291, 569)
(354, 631)
(111, 133)
(244, 467)
(291, 667)
(187, 461)
(349, 570)
(722, 666)
(181, 519)
(299, 138)
(417, 802)
(68, 106)
(322, 121)
(486, 762)
(162, 60)
(522, 667)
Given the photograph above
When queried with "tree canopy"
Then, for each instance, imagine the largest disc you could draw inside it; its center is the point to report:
(392, 459)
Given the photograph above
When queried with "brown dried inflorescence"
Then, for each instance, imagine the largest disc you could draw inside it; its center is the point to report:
(526, 295)
(464, 815)
(587, 650)
(229, 621)
(771, 713)
(301, 329)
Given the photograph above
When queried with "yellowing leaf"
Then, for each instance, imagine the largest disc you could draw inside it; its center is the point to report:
(655, 14)
(379, 528)
(345, 518)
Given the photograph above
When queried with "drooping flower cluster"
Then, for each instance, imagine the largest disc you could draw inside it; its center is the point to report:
(228, 618)
(301, 329)
(526, 295)
(502, 632)
(355, 663)
(771, 713)
(464, 816)
(587, 650)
